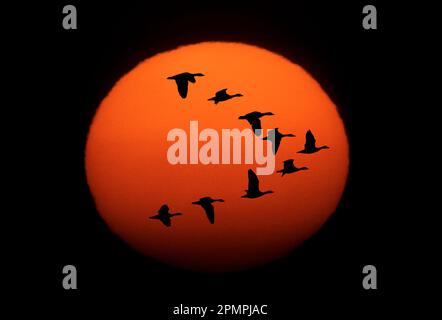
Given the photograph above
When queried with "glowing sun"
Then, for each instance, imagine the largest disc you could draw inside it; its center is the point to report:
(130, 177)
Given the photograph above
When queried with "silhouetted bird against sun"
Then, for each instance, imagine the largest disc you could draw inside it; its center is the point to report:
(206, 203)
(182, 81)
(277, 138)
(310, 144)
(222, 95)
(164, 215)
(289, 167)
(253, 188)
(254, 119)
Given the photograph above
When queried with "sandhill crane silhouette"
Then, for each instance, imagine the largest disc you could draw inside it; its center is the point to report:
(289, 167)
(310, 144)
(253, 187)
(164, 216)
(206, 203)
(277, 138)
(182, 81)
(222, 95)
(254, 119)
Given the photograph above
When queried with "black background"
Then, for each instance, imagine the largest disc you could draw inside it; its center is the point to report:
(356, 67)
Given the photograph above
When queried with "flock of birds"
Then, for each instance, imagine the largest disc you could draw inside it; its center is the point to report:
(254, 118)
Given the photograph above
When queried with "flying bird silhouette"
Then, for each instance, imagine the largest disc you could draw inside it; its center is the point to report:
(253, 187)
(289, 167)
(222, 95)
(277, 138)
(164, 216)
(254, 119)
(206, 203)
(182, 81)
(310, 144)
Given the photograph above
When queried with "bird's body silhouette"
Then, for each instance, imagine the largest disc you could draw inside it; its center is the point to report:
(164, 216)
(310, 144)
(289, 167)
(254, 118)
(222, 95)
(206, 203)
(277, 137)
(253, 190)
(182, 81)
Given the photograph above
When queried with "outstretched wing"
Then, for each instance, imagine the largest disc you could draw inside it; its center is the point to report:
(310, 141)
(210, 212)
(253, 182)
(182, 87)
(221, 92)
(164, 209)
(288, 164)
(256, 124)
(166, 221)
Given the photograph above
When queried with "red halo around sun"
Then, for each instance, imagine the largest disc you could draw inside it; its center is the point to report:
(130, 177)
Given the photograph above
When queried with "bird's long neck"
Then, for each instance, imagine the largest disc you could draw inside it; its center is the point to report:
(303, 168)
(268, 191)
(218, 200)
(236, 95)
(267, 114)
(175, 214)
(323, 147)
